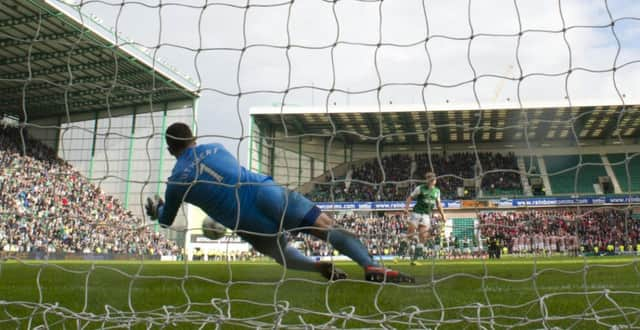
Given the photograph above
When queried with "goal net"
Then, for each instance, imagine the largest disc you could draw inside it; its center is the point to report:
(526, 112)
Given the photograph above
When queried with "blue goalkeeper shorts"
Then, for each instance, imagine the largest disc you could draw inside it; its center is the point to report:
(277, 208)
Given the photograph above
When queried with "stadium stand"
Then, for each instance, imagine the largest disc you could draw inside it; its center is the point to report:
(548, 231)
(46, 206)
(382, 235)
(618, 164)
(503, 182)
(563, 170)
(403, 170)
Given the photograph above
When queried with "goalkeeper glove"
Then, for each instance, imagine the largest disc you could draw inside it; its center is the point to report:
(153, 207)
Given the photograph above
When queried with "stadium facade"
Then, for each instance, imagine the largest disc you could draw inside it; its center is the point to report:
(99, 100)
(126, 156)
(304, 146)
(579, 156)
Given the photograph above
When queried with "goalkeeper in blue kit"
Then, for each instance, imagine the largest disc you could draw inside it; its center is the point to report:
(259, 210)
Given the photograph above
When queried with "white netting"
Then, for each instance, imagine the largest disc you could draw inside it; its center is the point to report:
(102, 100)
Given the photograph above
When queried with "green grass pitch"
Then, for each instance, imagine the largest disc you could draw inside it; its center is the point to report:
(527, 293)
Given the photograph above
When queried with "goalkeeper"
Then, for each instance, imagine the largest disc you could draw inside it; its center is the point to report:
(259, 210)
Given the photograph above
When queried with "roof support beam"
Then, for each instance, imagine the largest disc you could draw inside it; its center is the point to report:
(23, 20)
(82, 106)
(293, 119)
(59, 69)
(392, 131)
(54, 55)
(374, 125)
(41, 38)
(79, 82)
(543, 127)
(607, 131)
(410, 128)
(61, 97)
(441, 128)
(579, 123)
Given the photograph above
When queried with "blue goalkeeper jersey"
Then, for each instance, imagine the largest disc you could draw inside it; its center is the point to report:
(210, 177)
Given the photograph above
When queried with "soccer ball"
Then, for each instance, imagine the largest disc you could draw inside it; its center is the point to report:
(212, 229)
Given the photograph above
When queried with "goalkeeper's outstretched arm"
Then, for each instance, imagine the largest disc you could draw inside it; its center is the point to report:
(165, 212)
(179, 138)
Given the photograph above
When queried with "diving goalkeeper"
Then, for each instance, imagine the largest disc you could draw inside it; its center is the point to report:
(259, 210)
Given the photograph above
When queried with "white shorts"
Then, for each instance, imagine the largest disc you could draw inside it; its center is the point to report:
(419, 219)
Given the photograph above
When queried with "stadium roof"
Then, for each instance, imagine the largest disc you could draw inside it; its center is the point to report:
(456, 124)
(54, 59)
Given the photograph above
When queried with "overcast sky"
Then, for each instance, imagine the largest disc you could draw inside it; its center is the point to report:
(203, 41)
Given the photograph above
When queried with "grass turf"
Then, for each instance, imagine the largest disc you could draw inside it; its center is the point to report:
(520, 293)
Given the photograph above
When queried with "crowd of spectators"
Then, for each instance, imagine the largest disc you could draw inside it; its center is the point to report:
(381, 235)
(567, 231)
(224, 255)
(562, 230)
(47, 206)
(506, 180)
(402, 172)
(386, 235)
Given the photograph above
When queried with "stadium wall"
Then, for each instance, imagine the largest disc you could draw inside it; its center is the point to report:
(125, 155)
(295, 160)
(47, 131)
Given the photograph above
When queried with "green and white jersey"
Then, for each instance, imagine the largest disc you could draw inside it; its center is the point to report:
(425, 198)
